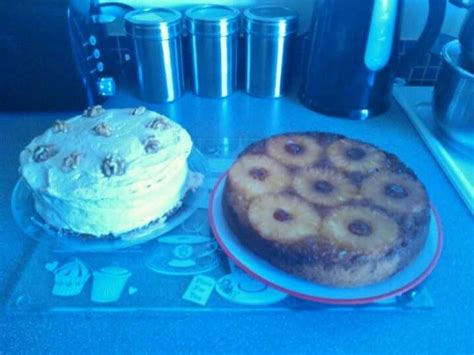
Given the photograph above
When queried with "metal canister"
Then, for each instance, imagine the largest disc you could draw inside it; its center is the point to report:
(213, 32)
(156, 37)
(270, 33)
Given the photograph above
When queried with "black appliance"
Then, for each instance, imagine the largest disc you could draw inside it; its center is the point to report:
(60, 54)
(37, 69)
(349, 63)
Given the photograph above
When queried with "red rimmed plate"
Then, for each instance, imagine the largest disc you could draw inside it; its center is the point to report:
(417, 271)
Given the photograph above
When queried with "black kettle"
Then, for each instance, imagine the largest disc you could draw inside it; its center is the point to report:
(349, 57)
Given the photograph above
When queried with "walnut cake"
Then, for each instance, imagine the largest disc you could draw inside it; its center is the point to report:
(107, 172)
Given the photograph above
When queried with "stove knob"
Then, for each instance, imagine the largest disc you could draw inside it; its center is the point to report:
(92, 40)
(105, 86)
(96, 53)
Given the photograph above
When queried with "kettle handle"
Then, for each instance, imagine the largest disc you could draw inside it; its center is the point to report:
(381, 34)
(434, 23)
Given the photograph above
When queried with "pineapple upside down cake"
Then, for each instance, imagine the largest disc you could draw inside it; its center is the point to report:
(326, 208)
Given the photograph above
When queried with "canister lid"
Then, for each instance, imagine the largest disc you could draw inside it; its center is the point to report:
(212, 20)
(154, 23)
(271, 20)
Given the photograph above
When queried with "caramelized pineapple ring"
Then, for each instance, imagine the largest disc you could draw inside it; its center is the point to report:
(395, 192)
(324, 186)
(360, 228)
(253, 175)
(283, 218)
(294, 150)
(354, 156)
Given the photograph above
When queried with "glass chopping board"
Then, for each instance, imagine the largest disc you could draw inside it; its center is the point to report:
(183, 270)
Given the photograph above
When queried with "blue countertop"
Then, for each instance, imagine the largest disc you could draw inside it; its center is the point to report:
(444, 324)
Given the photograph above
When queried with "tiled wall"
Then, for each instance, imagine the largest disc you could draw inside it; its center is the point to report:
(425, 70)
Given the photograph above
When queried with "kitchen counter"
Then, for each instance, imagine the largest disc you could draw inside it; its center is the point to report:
(440, 319)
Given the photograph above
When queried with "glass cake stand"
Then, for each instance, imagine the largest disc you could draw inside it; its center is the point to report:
(34, 226)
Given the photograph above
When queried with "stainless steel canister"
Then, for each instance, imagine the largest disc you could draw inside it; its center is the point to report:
(270, 33)
(156, 37)
(213, 32)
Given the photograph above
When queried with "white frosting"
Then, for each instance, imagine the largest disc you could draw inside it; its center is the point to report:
(84, 199)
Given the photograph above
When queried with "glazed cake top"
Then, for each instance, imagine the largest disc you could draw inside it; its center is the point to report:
(346, 190)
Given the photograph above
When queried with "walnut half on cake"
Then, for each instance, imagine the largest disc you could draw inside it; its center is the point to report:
(108, 171)
(326, 208)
